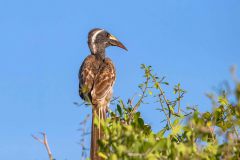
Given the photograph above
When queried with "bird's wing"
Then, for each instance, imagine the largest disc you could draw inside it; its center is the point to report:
(103, 83)
(86, 76)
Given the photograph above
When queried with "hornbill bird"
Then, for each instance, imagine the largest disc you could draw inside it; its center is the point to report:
(96, 79)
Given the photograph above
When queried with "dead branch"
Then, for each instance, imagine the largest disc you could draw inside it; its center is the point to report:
(45, 143)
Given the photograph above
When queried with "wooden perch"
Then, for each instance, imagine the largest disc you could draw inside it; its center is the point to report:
(45, 143)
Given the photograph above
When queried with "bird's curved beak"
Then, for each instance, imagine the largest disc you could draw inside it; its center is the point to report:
(115, 42)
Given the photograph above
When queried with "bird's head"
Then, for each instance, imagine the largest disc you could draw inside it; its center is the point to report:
(99, 39)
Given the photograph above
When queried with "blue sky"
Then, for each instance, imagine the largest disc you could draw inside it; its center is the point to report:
(44, 42)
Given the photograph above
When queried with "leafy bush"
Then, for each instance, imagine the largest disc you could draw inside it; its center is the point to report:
(187, 134)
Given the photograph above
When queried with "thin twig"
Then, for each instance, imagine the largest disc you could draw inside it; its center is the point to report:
(78, 104)
(168, 118)
(130, 101)
(45, 143)
(166, 101)
(162, 94)
(113, 100)
(140, 100)
(84, 133)
(179, 98)
(236, 132)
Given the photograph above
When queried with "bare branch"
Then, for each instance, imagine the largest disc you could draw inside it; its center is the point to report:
(141, 98)
(179, 99)
(130, 101)
(84, 133)
(45, 143)
(168, 117)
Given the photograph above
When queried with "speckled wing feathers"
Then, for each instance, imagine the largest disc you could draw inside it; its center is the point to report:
(103, 84)
(87, 73)
(97, 78)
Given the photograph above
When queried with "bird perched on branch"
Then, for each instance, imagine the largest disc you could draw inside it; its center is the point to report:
(96, 79)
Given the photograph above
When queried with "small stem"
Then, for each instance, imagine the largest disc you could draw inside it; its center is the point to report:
(168, 118)
(179, 96)
(162, 94)
(140, 100)
(165, 99)
(236, 132)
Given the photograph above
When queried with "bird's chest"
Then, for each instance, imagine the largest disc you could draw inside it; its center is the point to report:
(96, 66)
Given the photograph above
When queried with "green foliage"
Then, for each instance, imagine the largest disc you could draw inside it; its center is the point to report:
(186, 135)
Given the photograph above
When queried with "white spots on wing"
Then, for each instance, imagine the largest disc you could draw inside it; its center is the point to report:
(90, 73)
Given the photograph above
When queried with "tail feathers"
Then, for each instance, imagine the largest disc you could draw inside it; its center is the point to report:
(97, 131)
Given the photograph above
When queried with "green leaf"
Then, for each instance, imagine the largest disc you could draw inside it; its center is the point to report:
(175, 122)
(119, 109)
(161, 133)
(223, 101)
(171, 109)
(143, 66)
(102, 155)
(176, 127)
(140, 122)
(207, 115)
(113, 157)
(156, 85)
(166, 83)
(150, 92)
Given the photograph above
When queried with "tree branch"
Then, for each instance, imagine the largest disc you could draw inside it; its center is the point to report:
(45, 143)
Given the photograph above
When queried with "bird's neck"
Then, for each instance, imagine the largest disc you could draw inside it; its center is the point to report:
(100, 55)
(98, 50)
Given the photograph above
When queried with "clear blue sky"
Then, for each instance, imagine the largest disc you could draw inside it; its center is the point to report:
(43, 42)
